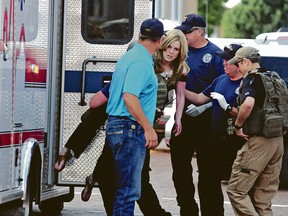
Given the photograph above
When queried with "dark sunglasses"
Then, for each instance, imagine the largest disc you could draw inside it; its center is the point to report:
(191, 30)
(238, 61)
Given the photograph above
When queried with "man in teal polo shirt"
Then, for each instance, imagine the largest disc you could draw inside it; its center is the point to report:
(131, 109)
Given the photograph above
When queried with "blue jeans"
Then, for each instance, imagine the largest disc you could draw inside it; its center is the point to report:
(127, 142)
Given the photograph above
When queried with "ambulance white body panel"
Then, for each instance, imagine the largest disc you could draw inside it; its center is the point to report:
(46, 49)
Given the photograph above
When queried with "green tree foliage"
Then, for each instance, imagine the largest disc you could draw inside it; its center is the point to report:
(215, 12)
(252, 17)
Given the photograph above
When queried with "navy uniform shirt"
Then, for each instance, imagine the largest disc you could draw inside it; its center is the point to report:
(204, 65)
(230, 90)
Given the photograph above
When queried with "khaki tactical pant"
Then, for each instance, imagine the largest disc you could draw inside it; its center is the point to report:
(255, 176)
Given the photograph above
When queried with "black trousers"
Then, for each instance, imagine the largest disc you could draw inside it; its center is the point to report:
(196, 137)
(103, 172)
(91, 121)
(229, 145)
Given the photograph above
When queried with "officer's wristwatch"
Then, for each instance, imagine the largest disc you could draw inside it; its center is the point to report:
(229, 108)
(238, 127)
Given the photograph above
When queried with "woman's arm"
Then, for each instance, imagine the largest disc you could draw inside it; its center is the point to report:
(180, 101)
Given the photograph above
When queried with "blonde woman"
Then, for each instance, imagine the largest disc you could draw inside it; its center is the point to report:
(171, 69)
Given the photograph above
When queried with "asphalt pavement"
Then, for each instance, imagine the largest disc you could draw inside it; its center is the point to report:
(161, 179)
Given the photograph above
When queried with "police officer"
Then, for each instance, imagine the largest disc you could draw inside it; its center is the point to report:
(223, 93)
(205, 66)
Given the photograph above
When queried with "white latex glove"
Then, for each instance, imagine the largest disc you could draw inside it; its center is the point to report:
(221, 99)
(193, 110)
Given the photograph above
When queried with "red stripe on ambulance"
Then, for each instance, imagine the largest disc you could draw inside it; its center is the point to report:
(7, 139)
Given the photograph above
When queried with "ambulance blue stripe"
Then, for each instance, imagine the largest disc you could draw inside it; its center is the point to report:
(94, 81)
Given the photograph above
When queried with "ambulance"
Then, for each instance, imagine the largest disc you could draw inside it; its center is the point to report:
(54, 55)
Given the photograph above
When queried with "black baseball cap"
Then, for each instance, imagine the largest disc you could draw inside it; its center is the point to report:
(229, 51)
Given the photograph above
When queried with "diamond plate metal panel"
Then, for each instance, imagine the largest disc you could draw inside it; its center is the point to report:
(5, 107)
(76, 51)
(5, 168)
(30, 109)
(45, 165)
(77, 169)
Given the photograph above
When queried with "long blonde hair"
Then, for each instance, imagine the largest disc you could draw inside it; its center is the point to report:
(179, 64)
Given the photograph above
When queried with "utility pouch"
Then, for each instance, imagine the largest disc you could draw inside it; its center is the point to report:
(254, 123)
(273, 125)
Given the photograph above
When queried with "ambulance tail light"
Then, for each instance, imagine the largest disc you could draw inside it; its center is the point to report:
(33, 68)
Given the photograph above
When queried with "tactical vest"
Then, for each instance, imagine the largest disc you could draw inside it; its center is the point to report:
(271, 120)
(164, 86)
(162, 92)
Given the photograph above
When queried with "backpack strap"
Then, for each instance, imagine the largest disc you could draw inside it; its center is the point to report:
(268, 78)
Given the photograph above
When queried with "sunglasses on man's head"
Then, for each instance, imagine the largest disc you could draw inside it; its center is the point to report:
(229, 50)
